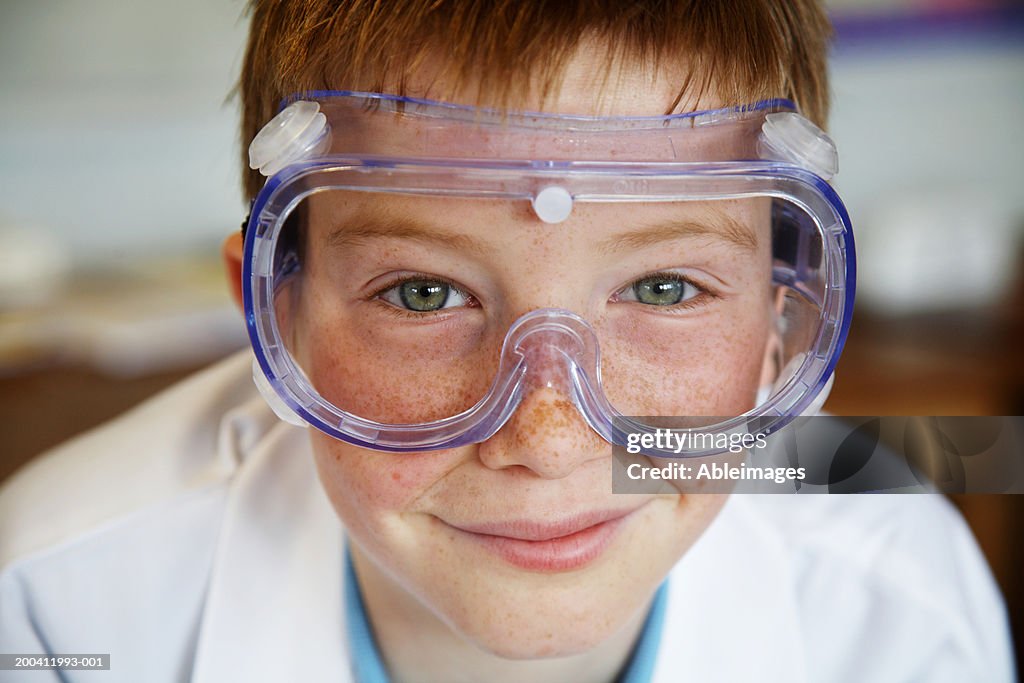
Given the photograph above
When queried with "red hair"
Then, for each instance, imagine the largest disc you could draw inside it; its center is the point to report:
(746, 49)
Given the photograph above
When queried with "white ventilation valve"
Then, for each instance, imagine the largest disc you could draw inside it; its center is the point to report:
(788, 136)
(552, 204)
(298, 131)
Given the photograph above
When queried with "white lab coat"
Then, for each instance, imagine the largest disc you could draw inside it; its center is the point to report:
(190, 539)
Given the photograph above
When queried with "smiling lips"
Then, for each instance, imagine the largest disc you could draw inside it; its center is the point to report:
(549, 547)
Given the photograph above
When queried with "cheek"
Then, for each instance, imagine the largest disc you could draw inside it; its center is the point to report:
(371, 489)
(391, 372)
(692, 516)
(706, 366)
(737, 360)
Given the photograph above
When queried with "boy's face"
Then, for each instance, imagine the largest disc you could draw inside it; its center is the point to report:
(518, 543)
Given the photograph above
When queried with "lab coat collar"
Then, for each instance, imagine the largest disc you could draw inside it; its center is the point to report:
(732, 613)
(274, 607)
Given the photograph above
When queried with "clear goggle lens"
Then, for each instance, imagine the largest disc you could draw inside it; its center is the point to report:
(403, 310)
(411, 277)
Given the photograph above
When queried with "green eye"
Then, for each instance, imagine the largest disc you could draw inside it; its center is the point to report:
(423, 296)
(666, 290)
(660, 290)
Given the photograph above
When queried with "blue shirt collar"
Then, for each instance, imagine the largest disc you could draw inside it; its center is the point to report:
(367, 666)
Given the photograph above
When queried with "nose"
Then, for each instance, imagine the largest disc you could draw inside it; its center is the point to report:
(546, 434)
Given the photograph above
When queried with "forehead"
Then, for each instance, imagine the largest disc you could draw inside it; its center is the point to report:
(589, 86)
(343, 219)
(401, 130)
(589, 83)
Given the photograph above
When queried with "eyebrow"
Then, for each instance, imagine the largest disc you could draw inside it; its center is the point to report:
(361, 230)
(722, 227)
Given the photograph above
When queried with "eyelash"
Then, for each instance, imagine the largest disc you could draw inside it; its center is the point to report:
(703, 292)
(377, 296)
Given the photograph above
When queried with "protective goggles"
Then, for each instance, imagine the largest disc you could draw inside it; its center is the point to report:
(414, 270)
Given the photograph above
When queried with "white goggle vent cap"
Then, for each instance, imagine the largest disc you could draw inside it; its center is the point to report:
(553, 204)
(788, 136)
(298, 131)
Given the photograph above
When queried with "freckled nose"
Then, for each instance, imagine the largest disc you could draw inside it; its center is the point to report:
(546, 434)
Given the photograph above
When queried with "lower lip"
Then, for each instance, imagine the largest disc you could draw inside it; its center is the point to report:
(553, 555)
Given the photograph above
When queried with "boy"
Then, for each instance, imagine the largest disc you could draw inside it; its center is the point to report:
(464, 301)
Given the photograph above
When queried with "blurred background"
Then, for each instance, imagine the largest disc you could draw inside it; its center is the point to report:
(119, 179)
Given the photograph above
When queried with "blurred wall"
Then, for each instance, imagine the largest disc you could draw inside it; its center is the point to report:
(115, 132)
(926, 115)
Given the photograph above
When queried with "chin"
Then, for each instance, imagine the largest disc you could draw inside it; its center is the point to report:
(543, 640)
(555, 617)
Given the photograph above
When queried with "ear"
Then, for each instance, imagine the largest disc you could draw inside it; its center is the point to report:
(231, 252)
